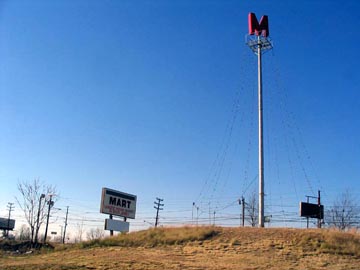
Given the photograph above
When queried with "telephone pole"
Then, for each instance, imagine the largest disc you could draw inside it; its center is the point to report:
(61, 233)
(319, 204)
(209, 214)
(192, 213)
(197, 215)
(242, 202)
(51, 204)
(66, 217)
(157, 206)
(10, 207)
(38, 219)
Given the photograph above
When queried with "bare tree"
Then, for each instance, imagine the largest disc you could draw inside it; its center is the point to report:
(252, 209)
(24, 233)
(33, 203)
(345, 212)
(79, 232)
(95, 234)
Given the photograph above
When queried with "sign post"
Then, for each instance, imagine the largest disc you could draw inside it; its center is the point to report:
(259, 45)
(116, 203)
(312, 210)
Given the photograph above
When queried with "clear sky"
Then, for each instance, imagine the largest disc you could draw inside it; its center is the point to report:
(158, 99)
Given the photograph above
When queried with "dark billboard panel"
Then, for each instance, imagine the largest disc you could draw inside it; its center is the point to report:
(311, 210)
(7, 224)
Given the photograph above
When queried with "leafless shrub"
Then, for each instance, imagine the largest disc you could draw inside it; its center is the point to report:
(33, 204)
(95, 234)
(345, 213)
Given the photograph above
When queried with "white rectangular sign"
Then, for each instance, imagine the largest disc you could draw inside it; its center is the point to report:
(118, 203)
(116, 225)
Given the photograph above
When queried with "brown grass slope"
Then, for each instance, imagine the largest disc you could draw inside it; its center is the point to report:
(202, 248)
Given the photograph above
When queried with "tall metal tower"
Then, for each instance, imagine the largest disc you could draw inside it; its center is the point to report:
(259, 42)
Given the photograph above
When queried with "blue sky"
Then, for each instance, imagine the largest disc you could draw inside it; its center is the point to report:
(158, 99)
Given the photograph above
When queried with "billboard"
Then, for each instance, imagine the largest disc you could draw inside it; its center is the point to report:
(7, 224)
(118, 203)
(116, 225)
(311, 210)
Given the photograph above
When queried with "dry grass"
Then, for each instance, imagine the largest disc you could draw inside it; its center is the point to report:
(204, 248)
(341, 243)
(155, 237)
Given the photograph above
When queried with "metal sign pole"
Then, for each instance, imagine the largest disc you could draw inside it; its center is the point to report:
(261, 150)
(259, 45)
(307, 218)
(319, 204)
(111, 231)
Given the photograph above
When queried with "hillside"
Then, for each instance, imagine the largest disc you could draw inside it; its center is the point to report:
(202, 248)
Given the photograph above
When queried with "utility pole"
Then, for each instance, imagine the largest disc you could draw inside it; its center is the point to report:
(209, 214)
(259, 45)
(42, 196)
(197, 215)
(242, 203)
(61, 233)
(157, 206)
(65, 225)
(51, 204)
(319, 204)
(10, 207)
(192, 213)
(214, 217)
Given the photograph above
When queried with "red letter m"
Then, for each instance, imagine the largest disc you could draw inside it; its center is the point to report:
(258, 28)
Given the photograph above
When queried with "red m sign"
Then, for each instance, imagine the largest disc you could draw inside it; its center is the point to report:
(258, 28)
